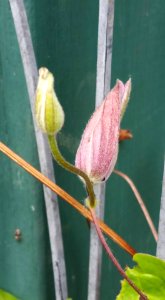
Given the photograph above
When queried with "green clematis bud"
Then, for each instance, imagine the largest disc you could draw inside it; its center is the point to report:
(48, 110)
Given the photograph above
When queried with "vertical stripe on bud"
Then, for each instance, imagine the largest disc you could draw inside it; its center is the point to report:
(125, 91)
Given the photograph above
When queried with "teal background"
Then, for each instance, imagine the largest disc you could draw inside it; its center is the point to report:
(64, 35)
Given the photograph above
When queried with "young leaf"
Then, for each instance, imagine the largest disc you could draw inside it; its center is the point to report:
(148, 275)
(6, 296)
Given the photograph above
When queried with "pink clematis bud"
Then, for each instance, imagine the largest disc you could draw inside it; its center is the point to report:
(98, 149)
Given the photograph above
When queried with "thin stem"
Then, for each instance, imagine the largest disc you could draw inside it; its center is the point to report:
(64, 195)
(112, 257)
(140, 201)
(68, 166)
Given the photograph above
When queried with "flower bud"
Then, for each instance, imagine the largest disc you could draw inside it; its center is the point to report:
(98, 149)
(48, 110)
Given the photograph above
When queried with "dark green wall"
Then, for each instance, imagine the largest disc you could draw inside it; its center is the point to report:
(65, 40)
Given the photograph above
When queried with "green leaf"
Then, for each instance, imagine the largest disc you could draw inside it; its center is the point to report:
(149, 277)
(6, 296)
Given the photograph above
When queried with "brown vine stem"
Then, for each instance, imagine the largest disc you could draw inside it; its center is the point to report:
(68, 198)
(112, 257)
(140, 201)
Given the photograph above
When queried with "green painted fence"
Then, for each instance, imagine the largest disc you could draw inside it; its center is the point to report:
(65, 40)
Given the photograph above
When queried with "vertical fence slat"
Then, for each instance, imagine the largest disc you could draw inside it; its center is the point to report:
(104, 57)
(46, 165)
(161, 232)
